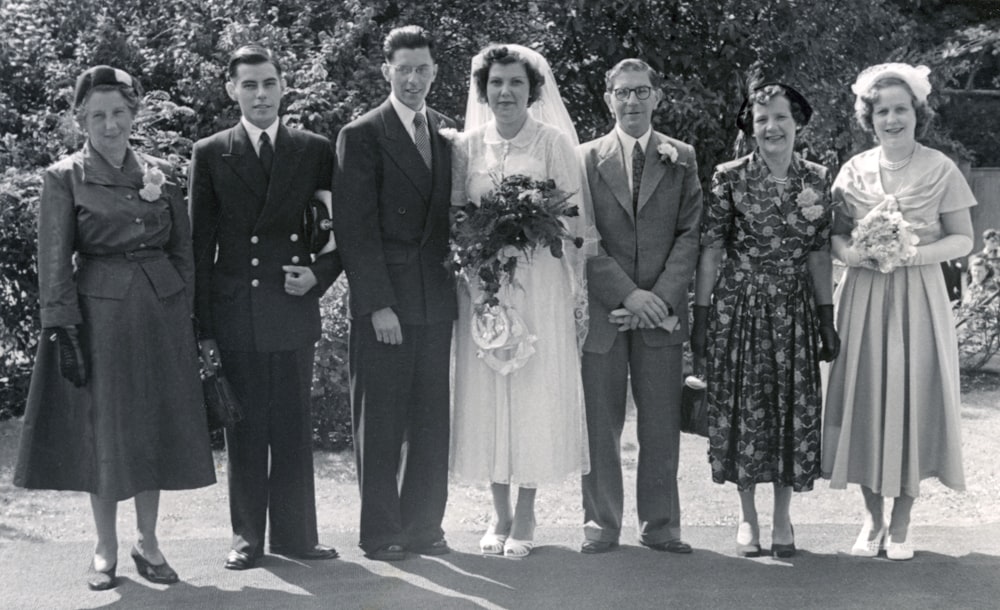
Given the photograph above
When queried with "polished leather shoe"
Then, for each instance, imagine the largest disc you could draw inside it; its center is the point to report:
(101, 581)
(316, 553)
(238, 560)
(438, 547)
(388, 552)
(159, 573)
(670, 546)
(595, 547)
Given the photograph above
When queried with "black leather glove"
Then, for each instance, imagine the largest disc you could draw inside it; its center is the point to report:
(827, 333)
(72, 364)
(699, 332)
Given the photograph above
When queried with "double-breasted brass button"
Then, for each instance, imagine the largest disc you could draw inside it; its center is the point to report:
(254, 239)
(255, 283)
(294, 237)
(138, 221)
(401, 210)
(295, 260)
(254, 261)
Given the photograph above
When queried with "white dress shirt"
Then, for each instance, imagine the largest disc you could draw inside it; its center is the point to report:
(628, 143)
(254, 133)
(406, 114)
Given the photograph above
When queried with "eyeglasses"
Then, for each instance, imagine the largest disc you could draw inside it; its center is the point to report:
(424, 70)
(623, 93)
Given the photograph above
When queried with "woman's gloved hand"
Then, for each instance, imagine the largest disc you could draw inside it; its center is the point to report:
(827, 333)
(72, 362)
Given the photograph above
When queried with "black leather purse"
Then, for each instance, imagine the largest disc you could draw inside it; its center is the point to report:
(221, 403)
(694, 410)
(317, 226)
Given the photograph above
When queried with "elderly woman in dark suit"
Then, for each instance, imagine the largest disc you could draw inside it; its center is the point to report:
(115, 406)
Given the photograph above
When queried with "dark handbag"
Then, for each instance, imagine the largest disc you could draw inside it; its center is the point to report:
(317, 227)
(220, 401)
(694, 411)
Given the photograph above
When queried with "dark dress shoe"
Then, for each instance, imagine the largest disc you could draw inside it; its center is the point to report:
(388, 552)
(670, 546)
(238, 560)
(160, 573)
(784, 551)
(316, 553)
(101, 581)
(748, 550)
(595, 547)
(438, 547)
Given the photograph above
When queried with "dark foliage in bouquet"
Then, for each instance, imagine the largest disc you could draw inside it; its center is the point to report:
(518, 214)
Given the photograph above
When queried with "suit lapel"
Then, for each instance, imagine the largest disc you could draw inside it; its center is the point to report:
(441, 191)
(611, 167)
(404, 152)
(288, 152)
(243, 160)
(653, 170)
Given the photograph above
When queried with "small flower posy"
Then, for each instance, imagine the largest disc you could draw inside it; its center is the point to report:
(152, 181)
(448, 133)
(667, 152)
(883, 238)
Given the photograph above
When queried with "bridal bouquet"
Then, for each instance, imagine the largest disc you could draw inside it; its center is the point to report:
(883, 238)
(512, 220)
(517, 216)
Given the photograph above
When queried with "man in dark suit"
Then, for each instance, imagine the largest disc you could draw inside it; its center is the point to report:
(391, 197)
(257, 295)
(647, 206)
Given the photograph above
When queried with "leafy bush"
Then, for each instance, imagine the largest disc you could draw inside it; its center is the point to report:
(331, 402)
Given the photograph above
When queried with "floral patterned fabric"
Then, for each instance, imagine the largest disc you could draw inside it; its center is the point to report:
(764, 390)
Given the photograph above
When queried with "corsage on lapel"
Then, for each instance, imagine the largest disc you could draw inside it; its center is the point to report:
(808, 204)
(152, 182)
(668, 152)
(448, 133)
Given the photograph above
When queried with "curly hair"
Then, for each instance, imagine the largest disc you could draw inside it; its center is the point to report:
(497, 54)
(406, 37)
(132, 100)
(864, 105)
(801, 113)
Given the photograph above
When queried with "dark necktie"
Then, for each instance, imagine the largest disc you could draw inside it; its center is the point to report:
(266, 153)
(638, 160)
(421, 138)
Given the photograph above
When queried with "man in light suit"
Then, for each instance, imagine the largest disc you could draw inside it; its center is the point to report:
(392, 186)
(647, 207)
(257, 303)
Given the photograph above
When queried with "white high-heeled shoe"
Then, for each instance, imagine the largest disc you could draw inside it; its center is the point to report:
(517, 548)
(898, 551)
(863, 547)
(492, 544)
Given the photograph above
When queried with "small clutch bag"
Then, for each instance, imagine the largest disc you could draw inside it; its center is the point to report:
(317, 226)
(220, 401)
(694, 407)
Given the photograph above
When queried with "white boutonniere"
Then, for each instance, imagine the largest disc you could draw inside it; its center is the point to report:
(448, 133)
(152, 183)
(667, 152)
(808, 205)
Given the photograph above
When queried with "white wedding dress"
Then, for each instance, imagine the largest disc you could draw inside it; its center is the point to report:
(525, 426)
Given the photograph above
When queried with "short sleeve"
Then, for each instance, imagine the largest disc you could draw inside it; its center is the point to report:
(957, 194)
(717, 219)
(843, 219)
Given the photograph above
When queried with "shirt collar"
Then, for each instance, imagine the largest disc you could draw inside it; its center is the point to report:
(523, 138)
(628, 142)
(405, 113)
(254, 132)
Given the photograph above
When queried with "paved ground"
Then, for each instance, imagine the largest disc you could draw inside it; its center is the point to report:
(955, 567)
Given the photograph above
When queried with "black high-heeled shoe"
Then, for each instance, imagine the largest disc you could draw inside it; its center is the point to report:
(101, 581)
(784, 551)
(161, 574)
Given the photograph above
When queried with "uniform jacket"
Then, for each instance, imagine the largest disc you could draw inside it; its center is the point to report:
(391, 218)
(240, 299)
(90, 208)
(658, 251)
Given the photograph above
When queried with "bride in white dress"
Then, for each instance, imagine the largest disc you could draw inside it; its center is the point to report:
(518, 415)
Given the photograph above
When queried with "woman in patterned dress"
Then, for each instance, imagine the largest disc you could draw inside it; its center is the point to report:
(892, 406)
(762, 306)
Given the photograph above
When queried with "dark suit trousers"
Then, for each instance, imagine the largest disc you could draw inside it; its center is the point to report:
(656, 388)
(401, 392)
(270, 451)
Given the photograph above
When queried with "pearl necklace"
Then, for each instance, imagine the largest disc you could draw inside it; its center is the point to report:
(779, 180)
(893, 166)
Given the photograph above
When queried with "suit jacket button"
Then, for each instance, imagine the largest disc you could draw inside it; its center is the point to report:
(138, 221)
(295, 260)
(254, 239)
(294, 237)
(128, 196)
(254, 261)
(401, 210)
(255, 283)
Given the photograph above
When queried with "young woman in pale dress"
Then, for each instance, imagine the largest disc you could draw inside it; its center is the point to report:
(518, 414)
(892, 409)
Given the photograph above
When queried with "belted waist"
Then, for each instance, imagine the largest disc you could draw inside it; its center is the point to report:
(769, 267)
(128, 255)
